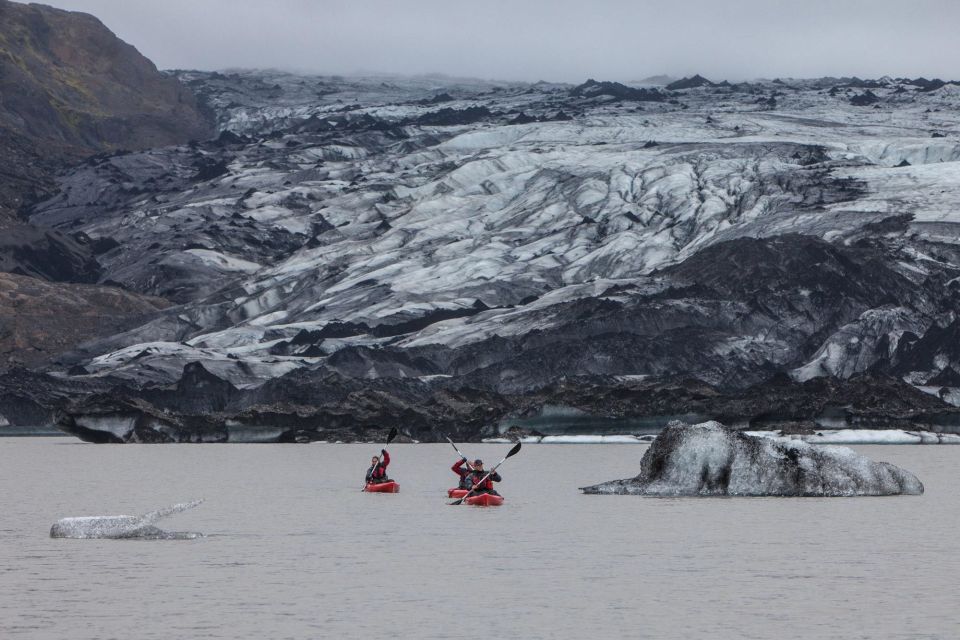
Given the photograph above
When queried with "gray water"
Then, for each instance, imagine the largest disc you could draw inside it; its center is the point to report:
(295, 550)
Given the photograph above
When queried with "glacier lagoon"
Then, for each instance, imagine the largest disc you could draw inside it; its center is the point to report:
(292, 547)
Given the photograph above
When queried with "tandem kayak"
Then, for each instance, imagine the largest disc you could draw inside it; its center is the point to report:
(485, 500)
(382, 487)
(456, 493)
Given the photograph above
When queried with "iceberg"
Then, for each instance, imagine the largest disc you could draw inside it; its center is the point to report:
(709, 459)
(121, 527)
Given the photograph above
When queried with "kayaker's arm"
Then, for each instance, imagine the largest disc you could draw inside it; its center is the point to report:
(495, 476)
(458, 467)
(384, 459)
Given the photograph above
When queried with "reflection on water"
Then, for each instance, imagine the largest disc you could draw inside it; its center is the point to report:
(560, 420)
(295, 549)
(556, 420)
(35, 431)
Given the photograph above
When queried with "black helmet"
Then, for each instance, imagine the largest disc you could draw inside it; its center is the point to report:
(478, 461)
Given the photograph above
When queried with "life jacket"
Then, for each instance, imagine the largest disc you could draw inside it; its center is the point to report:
(478, 482)
(378, 472)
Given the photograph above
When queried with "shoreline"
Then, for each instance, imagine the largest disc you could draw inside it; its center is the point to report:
(820, 436)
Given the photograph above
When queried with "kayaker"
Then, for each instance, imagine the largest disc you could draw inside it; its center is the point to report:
(463, 469)
(477, 482)
(377, 473)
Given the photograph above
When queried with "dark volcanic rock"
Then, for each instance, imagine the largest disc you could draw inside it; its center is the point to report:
(48, 254)
(748, 268)
(591, 89)
(446, 117)
(947, 377)
(319, 405)
(864, 99)
(440, 98)
(938, 348)
(711, 460)
(208, 169)
(523, 118)
(866, 400)
(29, 398)
(692, 82)
(113, 419)
(926, 85)
(197, 392)
(328, 405)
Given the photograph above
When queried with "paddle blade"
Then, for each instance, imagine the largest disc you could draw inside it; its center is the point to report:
(393, 434)
(514, 451)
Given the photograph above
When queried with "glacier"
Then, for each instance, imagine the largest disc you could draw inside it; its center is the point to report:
(459, 236)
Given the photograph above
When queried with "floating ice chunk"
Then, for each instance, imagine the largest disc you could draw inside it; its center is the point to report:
(710, 459)
(120, 527)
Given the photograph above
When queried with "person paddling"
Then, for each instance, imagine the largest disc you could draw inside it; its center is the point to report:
(463, 469)
(377, 473)
(480, 482)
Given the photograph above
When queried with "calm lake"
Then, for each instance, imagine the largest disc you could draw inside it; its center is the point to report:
(294, 549)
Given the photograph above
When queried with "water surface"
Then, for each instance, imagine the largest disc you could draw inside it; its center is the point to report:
(295, 550)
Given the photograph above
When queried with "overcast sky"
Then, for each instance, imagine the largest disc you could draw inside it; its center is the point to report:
(559, 40)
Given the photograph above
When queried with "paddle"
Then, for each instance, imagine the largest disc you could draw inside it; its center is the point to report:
(455, 448)
(459, 453)
(514, 451)
(390, 437)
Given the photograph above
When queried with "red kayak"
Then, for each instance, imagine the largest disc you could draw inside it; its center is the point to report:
(383, 487)
(456, 493)
(484, 500)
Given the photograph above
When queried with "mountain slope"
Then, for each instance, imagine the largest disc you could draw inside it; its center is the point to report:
(70, 89)
(70, 85)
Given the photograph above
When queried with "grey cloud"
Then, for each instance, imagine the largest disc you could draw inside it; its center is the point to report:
(563, 40)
